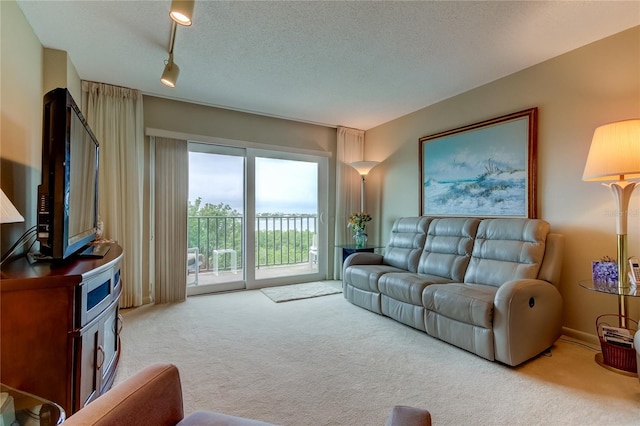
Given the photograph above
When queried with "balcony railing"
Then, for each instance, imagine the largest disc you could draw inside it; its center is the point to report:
(280, 239)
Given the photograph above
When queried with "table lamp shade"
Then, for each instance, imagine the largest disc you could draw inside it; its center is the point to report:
(8, 212)
(615, 152)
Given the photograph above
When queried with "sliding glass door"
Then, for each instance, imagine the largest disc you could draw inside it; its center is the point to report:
(215, 219)
(256, 218)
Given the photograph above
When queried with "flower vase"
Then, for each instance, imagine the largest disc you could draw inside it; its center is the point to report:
(360, 239)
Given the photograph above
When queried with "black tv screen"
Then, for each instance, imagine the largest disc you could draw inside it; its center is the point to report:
(68, 194)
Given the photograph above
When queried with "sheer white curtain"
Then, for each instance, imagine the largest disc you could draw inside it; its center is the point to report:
(350, 148)
(115, 116)
(171, 198)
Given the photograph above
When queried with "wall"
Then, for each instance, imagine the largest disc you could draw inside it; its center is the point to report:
(59, 71)
(21, 117)
(576, 92)
(197, 119)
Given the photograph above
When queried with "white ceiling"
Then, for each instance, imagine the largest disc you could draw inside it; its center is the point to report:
(351, 63)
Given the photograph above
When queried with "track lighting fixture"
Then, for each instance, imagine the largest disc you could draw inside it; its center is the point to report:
(182, 11)
(170, 73)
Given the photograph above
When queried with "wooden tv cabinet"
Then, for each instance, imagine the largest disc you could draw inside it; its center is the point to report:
(60, 327)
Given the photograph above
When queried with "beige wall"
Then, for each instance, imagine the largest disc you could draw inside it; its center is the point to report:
(575, 93)
(59, 71)
(21, 117)
(196, 119)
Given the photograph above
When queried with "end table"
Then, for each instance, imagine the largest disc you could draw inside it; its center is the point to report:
(348, 249)
(623, 319)
(23, 408)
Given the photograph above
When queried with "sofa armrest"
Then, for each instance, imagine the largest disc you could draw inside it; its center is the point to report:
(527, 319)
(362, 258)
(152, 397)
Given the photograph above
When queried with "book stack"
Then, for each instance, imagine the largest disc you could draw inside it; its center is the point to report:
(617, 336)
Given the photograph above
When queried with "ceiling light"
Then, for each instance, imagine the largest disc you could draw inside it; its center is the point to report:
(182, 11)
(170, 73)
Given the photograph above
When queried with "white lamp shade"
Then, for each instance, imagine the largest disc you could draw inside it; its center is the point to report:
(8, 212)
(182, 11)
(364, 167)
(170, 73)
(615, 152)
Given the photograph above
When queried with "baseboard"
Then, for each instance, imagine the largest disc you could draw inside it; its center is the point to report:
(580, 335)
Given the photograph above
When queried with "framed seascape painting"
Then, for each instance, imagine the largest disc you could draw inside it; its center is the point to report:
(486, 169)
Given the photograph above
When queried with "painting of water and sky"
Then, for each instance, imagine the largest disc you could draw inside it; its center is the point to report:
(480, 172)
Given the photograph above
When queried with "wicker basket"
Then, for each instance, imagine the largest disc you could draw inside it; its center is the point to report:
(614, 355)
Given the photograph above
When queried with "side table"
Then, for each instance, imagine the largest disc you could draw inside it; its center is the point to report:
(22, 408)
(623, 319)
(348, 249)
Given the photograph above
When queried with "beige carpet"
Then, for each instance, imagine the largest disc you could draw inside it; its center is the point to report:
(288, 293)
(324, 361)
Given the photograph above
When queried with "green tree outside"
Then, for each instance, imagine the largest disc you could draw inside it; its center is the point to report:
(218, 226)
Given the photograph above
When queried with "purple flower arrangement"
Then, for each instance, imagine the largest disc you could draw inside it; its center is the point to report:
(605, 271)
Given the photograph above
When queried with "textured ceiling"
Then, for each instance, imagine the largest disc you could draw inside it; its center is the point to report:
(350, 63)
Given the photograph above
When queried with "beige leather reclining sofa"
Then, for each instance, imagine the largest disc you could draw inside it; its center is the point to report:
(485, 285)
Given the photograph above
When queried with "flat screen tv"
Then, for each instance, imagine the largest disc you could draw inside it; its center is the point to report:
(68, 195)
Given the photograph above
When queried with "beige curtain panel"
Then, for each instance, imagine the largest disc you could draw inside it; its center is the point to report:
(171, 198)
(350, 148)
(116, 117)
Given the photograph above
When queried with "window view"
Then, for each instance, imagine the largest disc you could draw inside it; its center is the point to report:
(286, 197)
(215, 219)
(280, 203)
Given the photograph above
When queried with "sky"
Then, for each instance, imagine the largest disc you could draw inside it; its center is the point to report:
(282, 186)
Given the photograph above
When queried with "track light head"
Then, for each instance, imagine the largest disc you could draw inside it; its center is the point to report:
(182, 11)
(170, 73)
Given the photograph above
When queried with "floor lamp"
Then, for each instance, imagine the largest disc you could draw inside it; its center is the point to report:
(363, 167)
(615, 155)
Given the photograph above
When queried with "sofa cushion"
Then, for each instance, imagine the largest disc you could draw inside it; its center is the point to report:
(507, 249)
(467, 303)
(406, 243)
(402, 297)
(448, 247)
(365, 277)
(407, 287)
